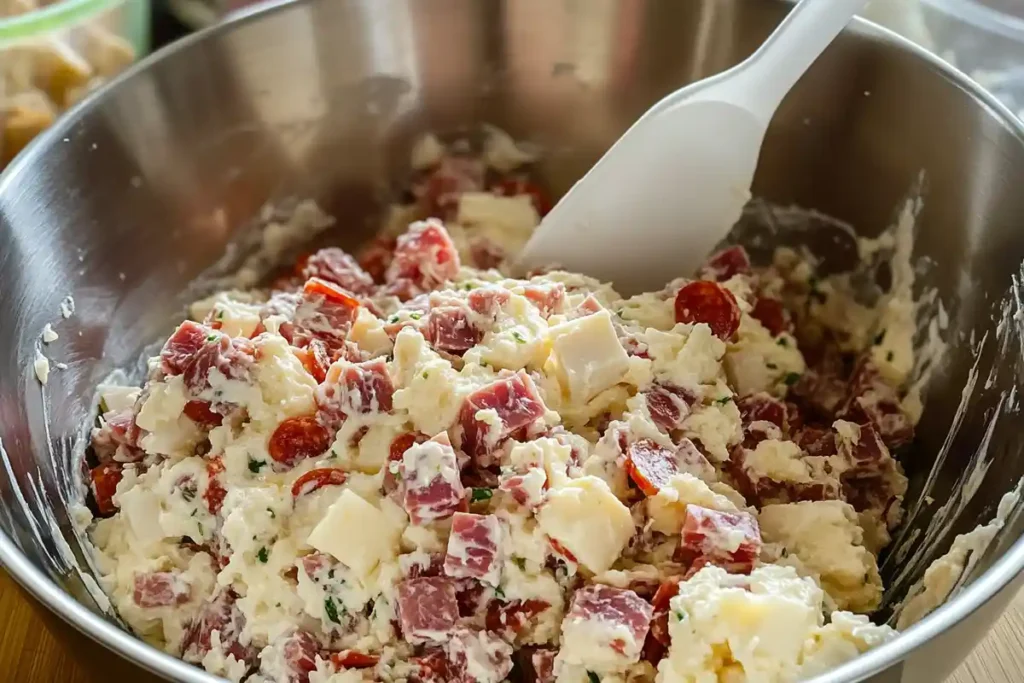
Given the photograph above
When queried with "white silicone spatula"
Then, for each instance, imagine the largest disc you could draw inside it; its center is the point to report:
(674, 185)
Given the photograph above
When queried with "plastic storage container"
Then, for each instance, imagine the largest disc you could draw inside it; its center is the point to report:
(53, 53)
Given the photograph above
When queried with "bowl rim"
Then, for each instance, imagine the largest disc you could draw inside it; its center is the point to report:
(122, 642)
(52, 17)
(981, 16)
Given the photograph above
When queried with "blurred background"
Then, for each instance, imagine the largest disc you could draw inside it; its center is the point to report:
(53, 52)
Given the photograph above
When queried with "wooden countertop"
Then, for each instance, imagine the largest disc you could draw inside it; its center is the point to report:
(36, 647)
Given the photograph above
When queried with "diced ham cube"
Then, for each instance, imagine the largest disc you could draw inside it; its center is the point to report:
(487, 301)
(872, 479)
(297, 439)
(117, 437)
(517, 403)
(431, 485)
(650, 465)
(548, 298)
(293, 660)
(450, 329)
(473, 548)
(478, 657)
(105, 478)
(428, 609)
(725, 264)
(820, 393)
(526, 489)
(335, 265)
(588, 306)
(425, 256)
(771, 313)
(432, 667)
(161, 589)
(392, 468)
(816, 441)
(438, 193)
(731, 540)
(605, 628)
(221, 614)
(325, 312)
(873, 400)
(709, 303)
(194, 350)
(668, 405)
(354, 389)
(762, 406)
(537, 664)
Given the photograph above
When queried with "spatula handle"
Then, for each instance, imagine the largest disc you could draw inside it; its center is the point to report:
(799, 40)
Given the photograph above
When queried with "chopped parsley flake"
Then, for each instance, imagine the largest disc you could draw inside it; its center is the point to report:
(722, 401)
(783, 342)
(480, 494)
(393, 319)
(188, 493)
(593, 677)
(415, 315)
(330, 573)
(518, 337)
(332, 610)
(262, 555)
(520, 562)
(771, 366)
(426, 374)
(879, 338)
(791, 378)
(220, 315)
(273, 515)
(211, 337)
(256, 465)
(678, 615)
(499, 592)
(889, 356)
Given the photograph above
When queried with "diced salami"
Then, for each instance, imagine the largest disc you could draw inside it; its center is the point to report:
(215, 491)
(432, 667)
(650, 465)
(336, 266)
(294, 660)
(160, 589)
(612, 619)
(548, 298)
(538, 664)
(431, 486)
(424, 255)
(325, 312)
(770, 313)
(105, 478)
(725, 264)
(478, 657)
(816, 441)
(315, 359)
(428, 609)
(353, 659)
(821, 394)
(450, 329)
(517, 403)
(317, 479)
(194, 351)
(297, 439)
(473, 548)
(731, 540)
(668, 406)
(221, 614)
(709, 303)
(203, 414)
(354, 389)
(762, 406)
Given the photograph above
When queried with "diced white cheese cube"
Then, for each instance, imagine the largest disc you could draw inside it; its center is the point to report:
(357, 534)
(587, 355)
(667, 509)
(587, 520)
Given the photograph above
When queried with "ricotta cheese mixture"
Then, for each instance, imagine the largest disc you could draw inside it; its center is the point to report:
(408, 466)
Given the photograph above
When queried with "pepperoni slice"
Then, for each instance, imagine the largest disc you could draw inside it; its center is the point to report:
(317, 479)
(650, 466)
(710, 303)
(726, 263)
(352, 659)
(298, 438)
(105, 479)
(772, 315)
(329, 291)
(315, 359)
(202, 414)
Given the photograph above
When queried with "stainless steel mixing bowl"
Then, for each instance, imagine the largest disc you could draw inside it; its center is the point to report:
(137, 191)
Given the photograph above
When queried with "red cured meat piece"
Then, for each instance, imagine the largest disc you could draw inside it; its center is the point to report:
(428, 609)
(431, 485)
(399, 446)
(487, 301)
(215, 491)
(725, 264)
(315, 358)
(105, 478)
(376, 256)
(485, 253)
(317, 479)
(478, 657)
(772, 315)
(160, 589)
(588, 306)
(668, 406)
(710, 303)
(516, 486)
(508, 619)
(873, 399)
(762, 406)
(433, 667)
(296, 439)
(194, 350)
(117, 437)
(816, 441)
(450, 329)
(403, 288)
(731, 540)
(182, 346)
(282, 304)
(299, 650)
(762, 490)
(473, 548)
(650, 466)
(353, 659)
(548, 298)
(689, 459)
(517, 186)
(324, 312)
(335, 265)
(616, 607)
(220, 614)
(424, 255)
(440, 190)
(354, 389)
(517, 403)
(821, 394)
(202, 413)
